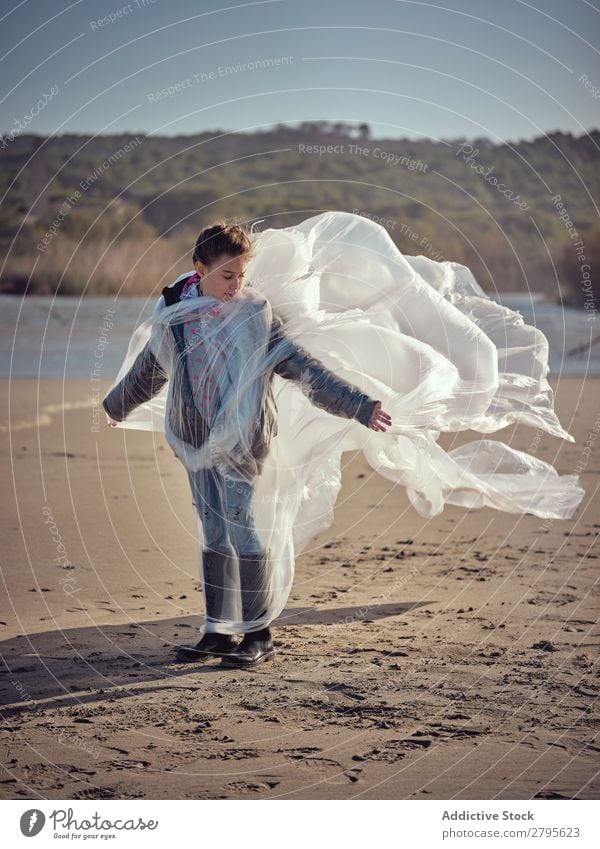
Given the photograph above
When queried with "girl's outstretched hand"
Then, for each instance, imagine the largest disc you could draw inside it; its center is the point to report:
(380, 420)
(111, 422)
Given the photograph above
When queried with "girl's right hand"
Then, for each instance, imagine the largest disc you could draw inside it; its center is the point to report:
(111, 422)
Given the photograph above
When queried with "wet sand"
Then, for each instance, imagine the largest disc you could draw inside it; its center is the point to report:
(449, 658)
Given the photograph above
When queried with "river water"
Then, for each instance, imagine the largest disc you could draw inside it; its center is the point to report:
(69, 336)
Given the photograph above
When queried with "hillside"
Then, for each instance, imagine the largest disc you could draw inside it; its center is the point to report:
(89, 213)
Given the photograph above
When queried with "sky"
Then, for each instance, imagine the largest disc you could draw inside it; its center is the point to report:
(507, 70)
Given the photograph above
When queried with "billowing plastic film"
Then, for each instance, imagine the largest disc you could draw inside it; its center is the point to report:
(260, 396)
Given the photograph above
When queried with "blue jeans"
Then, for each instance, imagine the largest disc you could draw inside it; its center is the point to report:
(224, 506)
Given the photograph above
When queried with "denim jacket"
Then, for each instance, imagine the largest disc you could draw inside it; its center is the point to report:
(146, 378)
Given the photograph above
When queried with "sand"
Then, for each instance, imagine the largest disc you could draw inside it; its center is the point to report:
(450, 658)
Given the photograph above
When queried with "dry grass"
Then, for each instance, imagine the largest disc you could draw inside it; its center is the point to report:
(98, 267)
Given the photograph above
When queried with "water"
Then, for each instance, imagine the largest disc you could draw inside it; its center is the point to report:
(68, 336)
(569, 332)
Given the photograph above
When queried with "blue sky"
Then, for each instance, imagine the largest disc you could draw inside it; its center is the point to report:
(507, 70)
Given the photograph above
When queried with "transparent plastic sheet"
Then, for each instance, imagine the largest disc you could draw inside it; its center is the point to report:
(419, 335)
(212, 364)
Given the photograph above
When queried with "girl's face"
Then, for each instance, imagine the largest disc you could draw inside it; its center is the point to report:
(223, 278)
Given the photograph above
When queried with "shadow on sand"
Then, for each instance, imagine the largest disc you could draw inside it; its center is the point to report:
(107, 662)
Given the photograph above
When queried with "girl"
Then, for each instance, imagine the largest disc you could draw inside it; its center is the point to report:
(260, 386)
(236, 568)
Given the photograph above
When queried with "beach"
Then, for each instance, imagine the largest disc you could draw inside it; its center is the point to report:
(443, 658)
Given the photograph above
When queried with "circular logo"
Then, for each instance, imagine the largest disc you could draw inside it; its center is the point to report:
(32, 822)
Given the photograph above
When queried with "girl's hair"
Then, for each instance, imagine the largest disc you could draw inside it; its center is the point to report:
(221, 238)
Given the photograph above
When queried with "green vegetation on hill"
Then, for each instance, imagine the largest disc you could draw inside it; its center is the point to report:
(120, 213)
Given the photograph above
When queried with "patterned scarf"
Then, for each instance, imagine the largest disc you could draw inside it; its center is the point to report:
(191, 289)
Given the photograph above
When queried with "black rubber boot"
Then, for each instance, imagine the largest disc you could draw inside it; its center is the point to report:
(214, 567)
(210, 646)
(256, 646)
